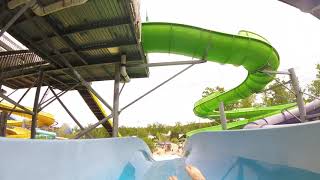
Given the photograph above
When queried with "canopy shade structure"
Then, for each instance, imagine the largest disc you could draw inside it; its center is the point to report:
(92, 42)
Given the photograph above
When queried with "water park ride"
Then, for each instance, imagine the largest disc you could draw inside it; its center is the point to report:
(17, 128)
(110, 43)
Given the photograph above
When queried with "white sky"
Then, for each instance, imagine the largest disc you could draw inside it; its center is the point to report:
(294, 34)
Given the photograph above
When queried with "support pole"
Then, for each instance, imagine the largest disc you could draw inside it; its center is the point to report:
(116, 100)
(174, 63)
(67, 110)
(24, 94)
(298, 93)
(16, 16)
(26, 110)
(3, 123)
(158, 86)
(35, 107)
(51, 99)
(223, 118)
(9, 94)
(87, 85)
(90, 128)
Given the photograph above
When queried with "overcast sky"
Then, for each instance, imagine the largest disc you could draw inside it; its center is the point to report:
(293, 33)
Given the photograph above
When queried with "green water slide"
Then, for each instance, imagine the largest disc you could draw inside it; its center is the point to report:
(251, 112)
(246, 49)
(250, 115)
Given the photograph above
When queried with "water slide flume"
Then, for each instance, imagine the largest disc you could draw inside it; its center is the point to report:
(249, 114)
(246, 49)
(15, 127)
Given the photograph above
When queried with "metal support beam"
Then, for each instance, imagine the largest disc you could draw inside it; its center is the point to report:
(13, 110)
(45, 94)
(90, 26)
(26, 110)
(87, 85)
(122, 87)
(54, 24)
(51, 99)
(9, 94)
(3, 123)
(223, 119)
(174, 63)
(101, 45)
(90, 128)
(56, 79)
(108, 61)
(275, 72)
(153, 89)
(16, 16)
(298, 93)
(117, 76)
(24, 94)
(68, 111)
(35, 107)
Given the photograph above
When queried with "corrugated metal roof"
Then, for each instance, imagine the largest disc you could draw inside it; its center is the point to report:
(95, 33)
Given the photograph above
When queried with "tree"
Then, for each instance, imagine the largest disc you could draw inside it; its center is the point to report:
(174, 140)
(149, 142)
(208, 90)
(247, 102)
(314, 87)
(278, 94)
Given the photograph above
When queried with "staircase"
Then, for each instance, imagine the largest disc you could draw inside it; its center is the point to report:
(97, 108)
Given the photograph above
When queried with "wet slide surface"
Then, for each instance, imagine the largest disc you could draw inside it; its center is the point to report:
(263, 155)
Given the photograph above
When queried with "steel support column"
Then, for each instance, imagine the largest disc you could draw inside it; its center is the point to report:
(68, 111)
(35, 106)
(298, 93)
(116, 94)
(223, 119)
(3, 123)
(16, 16)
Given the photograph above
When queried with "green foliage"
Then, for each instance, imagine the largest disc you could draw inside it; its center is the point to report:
(208, 91)
(314, 87)
(174, 140)
(155, 129)
(99, 133)
(278, 94)
(247, 102)
(149, 142)
(161, 137)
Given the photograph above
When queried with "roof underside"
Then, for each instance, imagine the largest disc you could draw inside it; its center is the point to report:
(91, 37)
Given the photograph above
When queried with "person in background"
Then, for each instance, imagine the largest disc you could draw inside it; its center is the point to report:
(193, 172)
